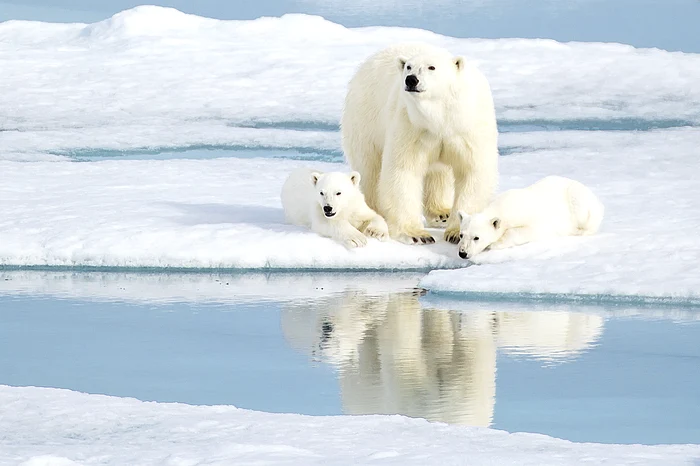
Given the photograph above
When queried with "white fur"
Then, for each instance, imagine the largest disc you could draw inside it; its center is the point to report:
(442, 140)
(305, 194)
(552, 207)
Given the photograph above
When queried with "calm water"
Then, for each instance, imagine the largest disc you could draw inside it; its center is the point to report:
(357, 344)
(668, 24)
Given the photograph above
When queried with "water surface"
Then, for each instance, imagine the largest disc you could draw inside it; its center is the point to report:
(327, 344)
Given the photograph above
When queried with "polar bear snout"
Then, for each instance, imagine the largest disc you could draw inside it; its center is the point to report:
(328, 211)
(412, 83)
(463, 255)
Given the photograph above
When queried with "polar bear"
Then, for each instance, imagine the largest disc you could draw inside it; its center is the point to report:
(332, 205)
(418, 120)
(552, 207)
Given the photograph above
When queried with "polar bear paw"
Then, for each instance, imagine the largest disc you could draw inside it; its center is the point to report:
(378, 228)
(414, 236)
(355, 240)
(437, 219)
(452, 234)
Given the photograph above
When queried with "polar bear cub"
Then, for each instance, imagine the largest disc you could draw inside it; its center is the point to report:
(552, 207)
(332, 205)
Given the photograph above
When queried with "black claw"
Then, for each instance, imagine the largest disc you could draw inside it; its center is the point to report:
(415, 240)
(431, 240)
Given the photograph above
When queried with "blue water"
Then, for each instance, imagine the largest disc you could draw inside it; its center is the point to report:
(668, 24)
(588, 374)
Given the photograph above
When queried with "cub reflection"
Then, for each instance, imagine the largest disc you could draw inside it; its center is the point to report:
(395, 357)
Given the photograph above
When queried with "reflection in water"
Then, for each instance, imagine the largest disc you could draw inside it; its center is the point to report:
(395, 357)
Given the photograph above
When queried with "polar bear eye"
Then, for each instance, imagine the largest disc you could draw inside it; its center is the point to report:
(321, 193)
(476, 238)
(338, 193)
(431, 68)
(461, 235)
(408, 68)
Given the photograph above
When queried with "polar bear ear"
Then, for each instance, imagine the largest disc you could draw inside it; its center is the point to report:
(496, 222)
(462, 216)
(459, 63)
(314, 177)
(355, 178)
(401, 62)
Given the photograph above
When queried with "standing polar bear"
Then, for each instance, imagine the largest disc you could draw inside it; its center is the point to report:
(332, 205)
(419, 125)
(552, 207)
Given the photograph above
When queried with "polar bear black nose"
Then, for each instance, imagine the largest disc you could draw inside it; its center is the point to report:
(327, 209)
(462, 254)
(411, 80)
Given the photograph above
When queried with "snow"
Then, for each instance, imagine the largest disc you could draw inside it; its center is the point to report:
(225, 213)
(155, 77)
(52, 427)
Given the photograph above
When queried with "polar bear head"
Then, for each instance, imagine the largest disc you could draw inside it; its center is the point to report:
(429, 75)
(335, 191)
(477, 232)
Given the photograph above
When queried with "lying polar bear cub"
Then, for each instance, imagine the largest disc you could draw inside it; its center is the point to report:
(552, 207)
(332, 205)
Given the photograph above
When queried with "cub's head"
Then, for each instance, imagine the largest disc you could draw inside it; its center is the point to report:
(429, 75)
(476, 233)
(335, 191)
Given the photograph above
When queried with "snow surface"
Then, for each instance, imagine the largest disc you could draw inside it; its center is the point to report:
(53, 427)
(225, 213)
(155, 77)
(222, 213)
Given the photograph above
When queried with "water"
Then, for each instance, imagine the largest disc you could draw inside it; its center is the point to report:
(358, 344)
(671, 24)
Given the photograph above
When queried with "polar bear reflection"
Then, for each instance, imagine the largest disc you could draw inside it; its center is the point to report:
(394, 357)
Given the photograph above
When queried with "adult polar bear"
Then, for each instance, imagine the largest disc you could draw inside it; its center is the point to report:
(417, 118)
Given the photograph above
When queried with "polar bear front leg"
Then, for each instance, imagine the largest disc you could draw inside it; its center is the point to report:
(401, 193)
(438, 195)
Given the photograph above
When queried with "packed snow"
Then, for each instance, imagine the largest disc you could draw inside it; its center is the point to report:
(52, 427)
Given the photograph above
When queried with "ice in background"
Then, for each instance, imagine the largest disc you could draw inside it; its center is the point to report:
(669, 25)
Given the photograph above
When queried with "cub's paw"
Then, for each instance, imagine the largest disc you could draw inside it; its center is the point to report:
(452, 235)
(437, 219)
(355, 240)
(377, 228)
(417, 236)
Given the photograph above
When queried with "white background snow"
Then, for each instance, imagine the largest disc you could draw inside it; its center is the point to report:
(152, 79)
